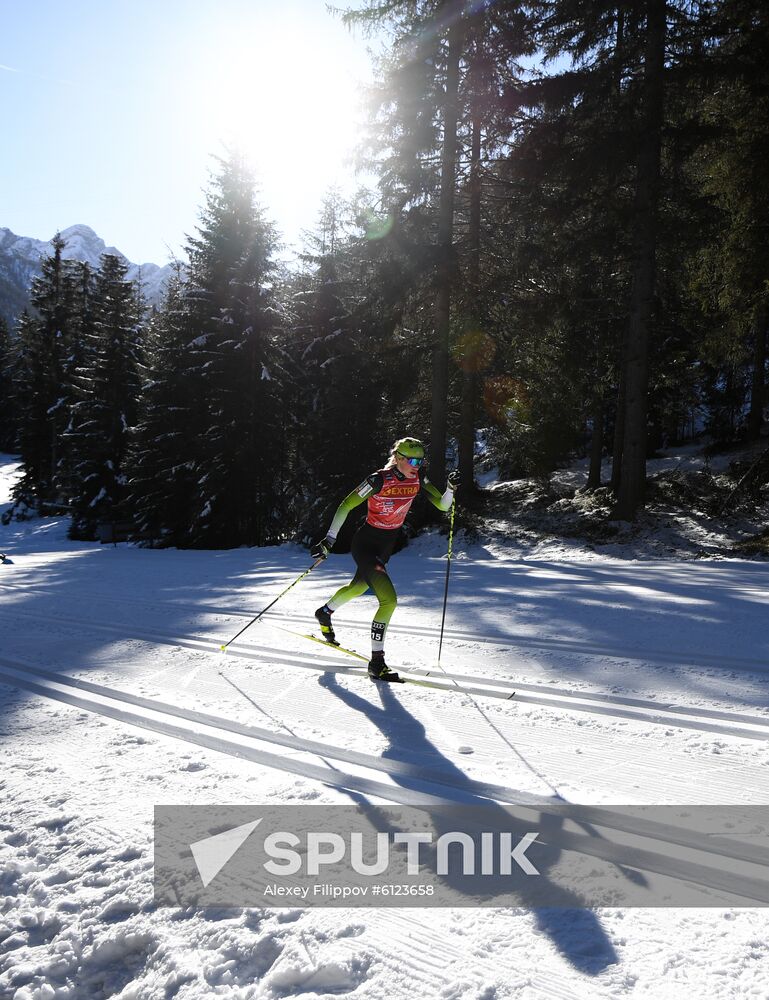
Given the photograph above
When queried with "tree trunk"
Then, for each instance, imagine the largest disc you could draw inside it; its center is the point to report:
(758, 382)
(633, 476)
(619, 426)
(619, 421)
(446, 267)
(596, 445)
(470, 369)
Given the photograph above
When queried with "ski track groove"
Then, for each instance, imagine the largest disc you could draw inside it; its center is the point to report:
(678, 716)
(504, 639)
(592, 757)
(749, 888)
(693, 718)
(424, 782)
(721, 767)
(709, 877)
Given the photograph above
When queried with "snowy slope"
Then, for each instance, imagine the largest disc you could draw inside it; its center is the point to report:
(637, 681)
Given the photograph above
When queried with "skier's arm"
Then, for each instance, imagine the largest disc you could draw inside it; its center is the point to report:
(442, 501)
(371, 485)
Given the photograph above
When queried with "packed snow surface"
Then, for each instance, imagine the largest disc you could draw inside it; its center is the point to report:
(78, 785)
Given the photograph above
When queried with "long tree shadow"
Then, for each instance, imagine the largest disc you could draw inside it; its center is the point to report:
(574, 930)
(688, 625)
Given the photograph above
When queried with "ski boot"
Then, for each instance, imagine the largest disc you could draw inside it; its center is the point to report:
(379, 671)
(326, 628)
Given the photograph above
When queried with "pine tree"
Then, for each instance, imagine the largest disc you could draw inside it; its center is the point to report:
(107, 384)
(729, 265)
(160, 467)
(8, 396)
(437, 112)
(630, 495)
(238, 419)
(339, 379)
(45, 342)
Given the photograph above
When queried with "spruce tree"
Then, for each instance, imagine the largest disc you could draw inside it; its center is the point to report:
(45, 342)
(107, 385)
(161, 467)
(232, 366)
(8, 393)
(79, 284)
(339, 377)
(436, 113)
(729, 264)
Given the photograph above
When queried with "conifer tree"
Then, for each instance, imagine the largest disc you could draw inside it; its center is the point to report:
(8, 396)
(30, 386)
(78, 281)
(45, 342)
(618, 51)
(729, 267)
(339, 377)
(161, 468)
(237, 423)
(631, 491)
(416, 150)
(107, 385)
(437, 110)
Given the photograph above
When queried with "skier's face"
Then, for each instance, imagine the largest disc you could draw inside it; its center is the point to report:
(405, 467)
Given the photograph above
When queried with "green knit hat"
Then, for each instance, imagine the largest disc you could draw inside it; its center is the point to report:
(409, 448)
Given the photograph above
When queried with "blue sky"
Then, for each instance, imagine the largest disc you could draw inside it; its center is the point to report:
(111, 110)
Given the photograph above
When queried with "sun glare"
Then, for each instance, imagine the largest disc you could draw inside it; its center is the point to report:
(289, 100)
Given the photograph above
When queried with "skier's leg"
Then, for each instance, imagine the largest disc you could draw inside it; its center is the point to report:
(363, 555)
(383, 588)
(370, 549)
(354, 588)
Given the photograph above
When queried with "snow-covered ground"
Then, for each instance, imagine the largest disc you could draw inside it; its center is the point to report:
(638, 681)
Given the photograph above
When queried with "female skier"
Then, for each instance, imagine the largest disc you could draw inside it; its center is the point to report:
(390, 493)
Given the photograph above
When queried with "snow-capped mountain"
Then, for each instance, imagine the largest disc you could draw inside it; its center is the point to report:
(20, 258)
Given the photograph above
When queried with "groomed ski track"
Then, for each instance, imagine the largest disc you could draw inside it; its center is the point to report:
(660, 713)
(505, 640)
(650, 842)
(80, 784)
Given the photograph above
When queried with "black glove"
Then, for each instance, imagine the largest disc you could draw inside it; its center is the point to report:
(322, 548)
(454, 479)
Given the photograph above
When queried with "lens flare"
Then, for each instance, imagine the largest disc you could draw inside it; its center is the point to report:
(474, 352)
(377, 227)
(507, 400)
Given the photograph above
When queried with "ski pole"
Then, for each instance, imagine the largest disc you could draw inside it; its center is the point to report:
(257, 617)
(448, 570)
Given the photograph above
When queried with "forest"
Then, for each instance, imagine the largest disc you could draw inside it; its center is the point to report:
(565, 254)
